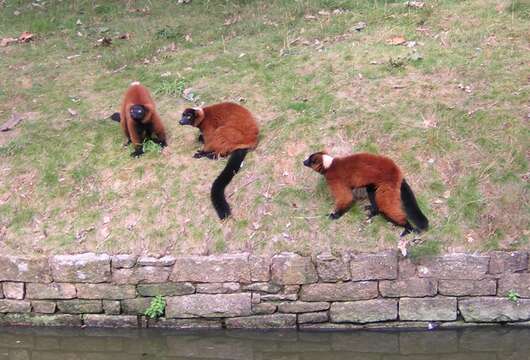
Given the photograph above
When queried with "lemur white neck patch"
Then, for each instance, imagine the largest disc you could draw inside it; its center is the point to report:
(326, 161)
(135, 83)
(199, 110)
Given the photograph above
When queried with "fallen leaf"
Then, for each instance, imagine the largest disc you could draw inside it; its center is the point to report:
(6, 41)
(429, 121)
(72, 112)
(104, 41)
(324, 13)
(72, 56)
(310, 17)
(415, 4)
(424, 30)
(188, 38)
(82, 233)
(105, 232)
(78, 22)
(125, 36)
(232, 20)
(144, 10)
(11, 123)
(396, 40)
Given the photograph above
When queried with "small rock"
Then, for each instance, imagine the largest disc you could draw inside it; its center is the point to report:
(359, 26)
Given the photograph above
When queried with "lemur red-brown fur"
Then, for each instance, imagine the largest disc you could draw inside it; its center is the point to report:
(139, 127)
(387, 190)
(224, 127)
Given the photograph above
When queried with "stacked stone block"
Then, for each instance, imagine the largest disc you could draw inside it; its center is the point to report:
(350, 291)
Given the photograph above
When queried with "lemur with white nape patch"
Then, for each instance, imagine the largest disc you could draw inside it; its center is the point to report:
(387, 190)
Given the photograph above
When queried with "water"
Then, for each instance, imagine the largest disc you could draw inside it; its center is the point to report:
(67, 344)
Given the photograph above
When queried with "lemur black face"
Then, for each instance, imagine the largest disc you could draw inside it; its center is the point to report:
(313, 159)
(316, 162)
(308, 161)
(138, 112)
(188, 117)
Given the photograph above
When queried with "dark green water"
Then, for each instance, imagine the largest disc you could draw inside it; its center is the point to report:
(477, 344)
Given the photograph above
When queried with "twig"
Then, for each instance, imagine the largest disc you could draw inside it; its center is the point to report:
(121, 68)
(242, 186)
(309, 217)
(11, 123)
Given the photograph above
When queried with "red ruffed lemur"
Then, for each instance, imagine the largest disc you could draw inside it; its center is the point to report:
(387, 190)
(139, 119)
(225, 128)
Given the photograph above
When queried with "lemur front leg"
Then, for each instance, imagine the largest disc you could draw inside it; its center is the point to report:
(372, 208)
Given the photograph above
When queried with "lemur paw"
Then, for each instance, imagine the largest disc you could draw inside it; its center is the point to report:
(211, 156)
(137, 153)
(333, 216)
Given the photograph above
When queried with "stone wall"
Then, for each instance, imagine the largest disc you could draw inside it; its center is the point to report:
(351, 291)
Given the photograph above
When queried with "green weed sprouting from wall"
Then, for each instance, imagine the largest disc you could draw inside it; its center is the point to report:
(513, 296)
(157, 307)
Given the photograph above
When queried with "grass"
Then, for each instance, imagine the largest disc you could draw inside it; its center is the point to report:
(452, 111)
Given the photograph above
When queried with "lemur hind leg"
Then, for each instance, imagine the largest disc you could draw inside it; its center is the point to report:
(372, 208)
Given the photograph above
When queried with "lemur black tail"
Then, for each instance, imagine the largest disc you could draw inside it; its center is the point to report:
(222, 181)
(411, 207)
(115, 116)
